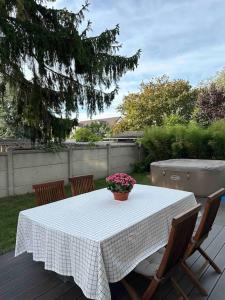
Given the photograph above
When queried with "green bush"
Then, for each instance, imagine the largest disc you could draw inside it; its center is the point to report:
(217, 139)
(142, 165)
(196, 142)
(84, 134)
(157, 140)
(184, 141)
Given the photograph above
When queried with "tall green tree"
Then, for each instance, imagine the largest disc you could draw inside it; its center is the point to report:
(10, 123)
(158, 99)
(210, 104)
(99, 128)
(93, 132)
(2, 123)
(84, 134)
(54, 67)
(218, 80)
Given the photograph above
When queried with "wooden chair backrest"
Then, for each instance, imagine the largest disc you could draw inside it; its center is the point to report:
(210, 211)
(81, 184)
(49, 192)
(180, 235)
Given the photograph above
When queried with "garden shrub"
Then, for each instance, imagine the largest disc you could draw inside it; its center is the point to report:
(184, 141)
(197, 142)
(217, 139)
(84, 134)
(142, 165)
(158, 141)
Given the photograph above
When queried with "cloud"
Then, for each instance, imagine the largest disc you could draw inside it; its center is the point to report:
(184, 39)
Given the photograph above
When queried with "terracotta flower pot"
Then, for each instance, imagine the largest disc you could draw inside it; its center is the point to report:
(120, 196)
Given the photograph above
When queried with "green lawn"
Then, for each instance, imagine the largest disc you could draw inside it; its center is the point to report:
(11, 206)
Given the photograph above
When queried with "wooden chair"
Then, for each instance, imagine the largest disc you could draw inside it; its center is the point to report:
(81, 184)
(210, 211)
(161, 266)
(49, 192)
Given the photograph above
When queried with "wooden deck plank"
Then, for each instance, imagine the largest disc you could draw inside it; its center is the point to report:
(167, 291)
(7, 259)
(55, 292)
(21, 278)
(26, 278)
(44, 286)
(14, 270)
(210, 278)
(218, 293)
(213, 249)
(73, 294)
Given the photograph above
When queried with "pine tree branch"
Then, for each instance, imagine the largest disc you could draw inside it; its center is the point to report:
(88, 28)
(68, 69)
(74, 17)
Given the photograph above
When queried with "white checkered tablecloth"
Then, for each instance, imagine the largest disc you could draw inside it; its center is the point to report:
(96, 239)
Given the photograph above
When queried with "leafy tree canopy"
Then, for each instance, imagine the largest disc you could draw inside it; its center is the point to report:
(158, 99)
(93, 132)
(174, 119)
(84, 134)
(54, 67)
(99, 128)
(218, 80)
(210, 104)
(8, 126)
(2, 123)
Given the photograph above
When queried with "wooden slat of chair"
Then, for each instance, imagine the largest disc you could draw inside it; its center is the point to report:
(81, 184)
(175, 253)
(49, 192)
(210, 211)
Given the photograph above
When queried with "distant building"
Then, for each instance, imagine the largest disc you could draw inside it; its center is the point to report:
(125, 137)
(110, 121)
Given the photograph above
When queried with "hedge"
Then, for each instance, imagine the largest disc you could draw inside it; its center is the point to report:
(183, 141)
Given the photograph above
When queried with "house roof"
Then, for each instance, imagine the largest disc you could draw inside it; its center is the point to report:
(129, 134)
(109, 121)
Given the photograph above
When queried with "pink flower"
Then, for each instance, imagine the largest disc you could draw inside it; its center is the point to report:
(121, 179)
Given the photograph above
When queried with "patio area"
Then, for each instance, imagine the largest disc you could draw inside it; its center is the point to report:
(103, 102)
(22, 278)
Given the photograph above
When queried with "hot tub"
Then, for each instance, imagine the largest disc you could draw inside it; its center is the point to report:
(202, 177)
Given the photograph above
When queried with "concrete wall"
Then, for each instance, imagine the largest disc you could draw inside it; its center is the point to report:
(20, 169)
(30, 168)
(3, 176)
(90, 161)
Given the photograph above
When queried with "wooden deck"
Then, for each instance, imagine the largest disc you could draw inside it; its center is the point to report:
(21, 278)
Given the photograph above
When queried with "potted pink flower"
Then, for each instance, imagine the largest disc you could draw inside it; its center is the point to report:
(120, 184)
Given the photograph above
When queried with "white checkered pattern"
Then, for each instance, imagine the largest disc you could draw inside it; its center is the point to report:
(96, 239)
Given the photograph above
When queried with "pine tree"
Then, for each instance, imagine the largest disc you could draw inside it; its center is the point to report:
(54, 67)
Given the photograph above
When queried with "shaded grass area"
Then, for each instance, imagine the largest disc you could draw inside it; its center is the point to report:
(11, 206)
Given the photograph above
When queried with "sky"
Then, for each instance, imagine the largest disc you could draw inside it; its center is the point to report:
(181, 38)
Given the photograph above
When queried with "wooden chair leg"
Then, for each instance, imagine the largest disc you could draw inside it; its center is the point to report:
(131, 291)
(178, 289)
(211, 262)
(193, 278)
(150, 291)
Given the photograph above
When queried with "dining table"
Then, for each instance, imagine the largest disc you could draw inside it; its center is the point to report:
(96, 239)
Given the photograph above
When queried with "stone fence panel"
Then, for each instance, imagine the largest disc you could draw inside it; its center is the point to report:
(20, 169)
